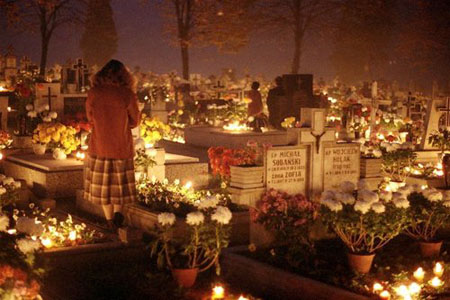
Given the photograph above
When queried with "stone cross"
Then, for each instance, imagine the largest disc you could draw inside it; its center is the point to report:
(49, 98)
(446, 111)
(80, 68)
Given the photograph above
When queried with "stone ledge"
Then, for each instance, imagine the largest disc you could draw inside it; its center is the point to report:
(275, 283)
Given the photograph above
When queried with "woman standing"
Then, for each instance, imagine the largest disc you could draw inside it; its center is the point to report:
(112, 110)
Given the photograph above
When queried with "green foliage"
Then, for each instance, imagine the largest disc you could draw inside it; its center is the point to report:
(143, 161)
(397, 164)
(440, 139)
(427, 217)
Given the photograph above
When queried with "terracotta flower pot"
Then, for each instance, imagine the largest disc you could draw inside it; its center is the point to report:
(185, 277)
(430, 249)
(39, 149)
(360, 262)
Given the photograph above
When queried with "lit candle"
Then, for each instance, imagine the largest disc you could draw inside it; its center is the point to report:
(377, 287)
(438, 270)
(436, 282)
(188, 185)
(403, 291)
(73, 235)
(419, 274)
(414, 288)
(148, 146)
(12, 231)
(384, 295)
(218, 292)
(46, 242)
(243, 298)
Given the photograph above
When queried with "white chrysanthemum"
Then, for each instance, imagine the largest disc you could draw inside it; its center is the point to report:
(53, 114)
(347, 187)
(362, 206)
(384, 144)
(8, 181)
(29, 226)
(28, 246)
(362, 185)
(368, 196)
(385, 195)
(435, 196)
(46, 107)
(446, 196)
(166, 219)
(222, 215)
(400, 202)
(377, 153)
(417, 188)
(378, 207)
(328, 194)
(17, 184)
(4, 222)
(446, 203)
(195, 218)
(332, 204)
(405, 190)
(29, 107)
(2, 190)
(345, 198)
(32, 114)
(208, 202)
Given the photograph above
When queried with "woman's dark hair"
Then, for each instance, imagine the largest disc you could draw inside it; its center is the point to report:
(255, 85)
(116, 74)
(279, 81)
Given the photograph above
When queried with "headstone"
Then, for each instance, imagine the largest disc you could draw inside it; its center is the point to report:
(438, 114)
(49, 93)
(287, 169)
(340, 163)
(80, 75)
(299, 93)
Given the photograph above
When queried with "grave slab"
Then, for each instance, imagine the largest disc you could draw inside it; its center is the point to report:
(46, 177)
(214, 137)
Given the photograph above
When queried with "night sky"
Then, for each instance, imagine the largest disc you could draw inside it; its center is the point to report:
(142, 42)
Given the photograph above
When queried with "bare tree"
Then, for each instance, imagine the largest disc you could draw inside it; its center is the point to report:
(206, 22)
(298, 18)
(44, 16)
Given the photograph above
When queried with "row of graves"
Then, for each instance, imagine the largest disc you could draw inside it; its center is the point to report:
(287, 201)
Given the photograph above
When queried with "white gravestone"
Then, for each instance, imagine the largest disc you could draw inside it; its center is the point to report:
(340, 163)
(436, 109)
(287, 169)
(49, 94)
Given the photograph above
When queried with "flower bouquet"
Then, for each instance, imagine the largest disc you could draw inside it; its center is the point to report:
(19, 275)
(221, 158)
(365, 221)
(8, 191)
(5, 140)
(62, 139)
(289, 217)
(430, 210)
(440, 139)
(199, 250)
(153, 130)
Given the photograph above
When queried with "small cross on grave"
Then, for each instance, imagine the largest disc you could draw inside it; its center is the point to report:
(49, 97)
(408, 105)
(446, 111)
(80, 69)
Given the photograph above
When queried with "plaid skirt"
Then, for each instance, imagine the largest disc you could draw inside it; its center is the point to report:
(109, 181)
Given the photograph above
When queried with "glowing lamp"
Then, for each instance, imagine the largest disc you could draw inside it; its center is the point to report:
(438, 270)
(9, 108)
(80, 155)
(419, 274)
(414, 288)
(218, 292)
(47, 243)
(436, 282)
(377, 287)
(73, 235)
(384, 295)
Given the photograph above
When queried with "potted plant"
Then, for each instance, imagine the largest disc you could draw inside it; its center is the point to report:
(199, 250)
(398, 160)
(429, 210)
(152, 130)
(365, 221)
(62, 139)
(287, 219)
(441, 140)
